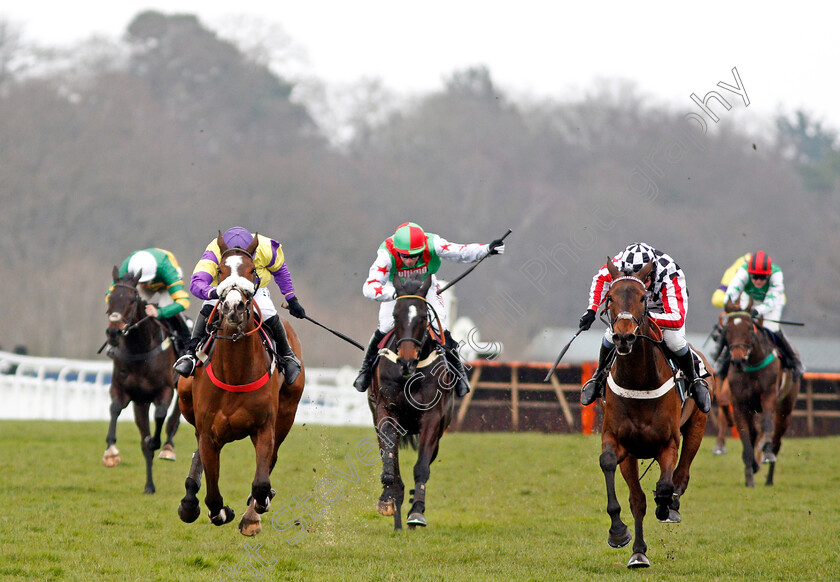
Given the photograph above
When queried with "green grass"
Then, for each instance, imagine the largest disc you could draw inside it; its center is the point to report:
(499, 506)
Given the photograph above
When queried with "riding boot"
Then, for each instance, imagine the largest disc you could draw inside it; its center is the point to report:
(697, 387)
(594, 388)
(719, 337)
(185, 365)
(790, 358)
(462, 386)
(179, 332)
(291, 365)
(722, 363)
(363, 379)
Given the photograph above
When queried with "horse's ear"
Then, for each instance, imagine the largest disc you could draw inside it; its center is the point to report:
(398, 285)
(115, 274)
(136, 278)
(645, 272)
(749, 307)
(614, 272)
(424, 288)
(221, 242)
(729, 307)
(254, 244)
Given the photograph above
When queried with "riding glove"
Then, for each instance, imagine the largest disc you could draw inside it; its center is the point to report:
(497, 247)
(296, 309)
(587, 319)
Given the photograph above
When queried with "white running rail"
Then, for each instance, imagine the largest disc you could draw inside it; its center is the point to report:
(61, 389)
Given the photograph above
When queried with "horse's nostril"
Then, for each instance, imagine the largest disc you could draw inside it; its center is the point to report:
(631, 337)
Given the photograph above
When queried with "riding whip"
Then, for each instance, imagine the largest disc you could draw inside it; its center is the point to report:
(337, 333)
(468, 271)
(560, 357)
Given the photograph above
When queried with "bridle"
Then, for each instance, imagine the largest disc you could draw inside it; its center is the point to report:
(639, 330)
(746, 345)
(118, 317)
(426, 327)
(250, 304)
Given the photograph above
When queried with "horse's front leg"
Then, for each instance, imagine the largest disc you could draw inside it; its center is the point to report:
(172, 423)
(189, 509)
(119, 400)
(393, 490)
(638, 506)
(426, 452)
(748, 434)
(141, 418)
(219, 513)
(261, 492)
(619, 536)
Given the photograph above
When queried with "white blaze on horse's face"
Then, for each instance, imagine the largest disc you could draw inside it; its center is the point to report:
(412, 313)
(737, 321)
(232, 288)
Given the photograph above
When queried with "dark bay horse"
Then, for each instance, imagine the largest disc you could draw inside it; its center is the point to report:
(643, 418)
(411, 399)
(236, 394)
(763, 394)
(143, 358)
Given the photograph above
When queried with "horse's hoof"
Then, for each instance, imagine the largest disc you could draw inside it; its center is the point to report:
(719, 450)
(768, 458)
(385, 507)
(111, 457)
(188, 515)
(149, 490)
(619, 541)
(673, 517)
(416, 518)
(250, 528)
(225, 515)
(638, 560)
(167, 453)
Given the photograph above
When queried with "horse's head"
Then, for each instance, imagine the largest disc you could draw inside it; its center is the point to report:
(627, 306)
(740, 331)
(237, 284)
(411, 315)
(125, 306)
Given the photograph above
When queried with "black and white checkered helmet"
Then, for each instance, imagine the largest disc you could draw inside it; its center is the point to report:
(636, 256)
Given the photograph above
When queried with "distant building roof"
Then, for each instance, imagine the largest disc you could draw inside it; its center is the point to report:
(818, 354)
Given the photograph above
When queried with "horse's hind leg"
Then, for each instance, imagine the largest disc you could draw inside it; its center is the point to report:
(619, 536)
(692, 433)
(426, 452)
(189, 509)
(141, 418)
(219, 513)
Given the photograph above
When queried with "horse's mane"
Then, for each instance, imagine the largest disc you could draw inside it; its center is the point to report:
(412, 284)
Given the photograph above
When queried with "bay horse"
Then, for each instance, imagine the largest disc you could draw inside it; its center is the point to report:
(763, 394)
(143, 358)
(411, 399)
(643, 415)
(237, 393)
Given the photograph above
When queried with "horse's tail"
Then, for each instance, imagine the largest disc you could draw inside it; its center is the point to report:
(409, 440)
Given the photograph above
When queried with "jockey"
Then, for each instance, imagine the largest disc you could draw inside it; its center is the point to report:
(667, 302)
(269, 262)
(158, 271)
(761, 280)
(412, 252)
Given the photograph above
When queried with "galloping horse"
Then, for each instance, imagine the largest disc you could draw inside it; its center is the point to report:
(143, 358)
(237, 394)
(759, 388)
(411, 399)
(642, 415)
